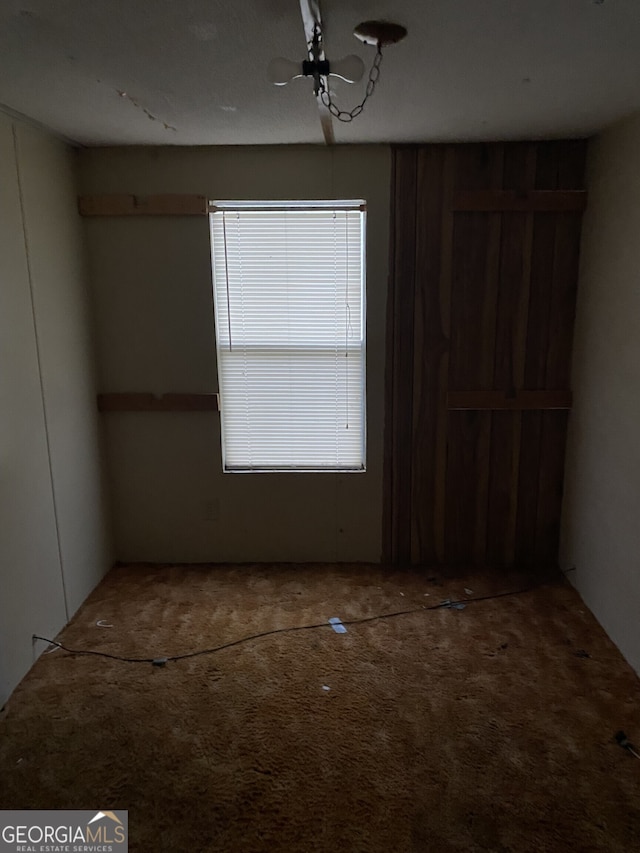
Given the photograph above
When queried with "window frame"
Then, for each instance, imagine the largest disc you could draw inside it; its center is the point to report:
(222, 206)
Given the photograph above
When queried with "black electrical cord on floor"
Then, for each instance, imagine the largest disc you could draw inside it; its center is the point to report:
(625, 743)
(160, 661)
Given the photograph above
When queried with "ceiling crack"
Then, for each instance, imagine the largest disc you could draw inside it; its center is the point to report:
(148, 114)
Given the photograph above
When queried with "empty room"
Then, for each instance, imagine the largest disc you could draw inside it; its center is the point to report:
(319, 393)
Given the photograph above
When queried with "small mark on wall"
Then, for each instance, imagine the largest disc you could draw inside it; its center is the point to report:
(211, 510)
(203, 32)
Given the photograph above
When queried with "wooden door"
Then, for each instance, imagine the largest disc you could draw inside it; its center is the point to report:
(484, 265)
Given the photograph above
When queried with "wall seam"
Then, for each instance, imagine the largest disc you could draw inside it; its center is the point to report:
(39, 363)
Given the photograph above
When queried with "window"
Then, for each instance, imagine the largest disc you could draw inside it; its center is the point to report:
(288, 280)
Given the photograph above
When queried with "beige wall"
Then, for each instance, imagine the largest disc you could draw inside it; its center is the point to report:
(151, 279)
(54, 543)
(601, 514)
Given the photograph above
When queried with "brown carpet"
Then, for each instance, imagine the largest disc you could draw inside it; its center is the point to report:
(488, 728)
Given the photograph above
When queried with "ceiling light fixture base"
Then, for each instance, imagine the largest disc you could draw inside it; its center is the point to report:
(380, 33)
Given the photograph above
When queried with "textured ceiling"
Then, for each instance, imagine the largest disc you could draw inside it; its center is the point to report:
(192, 72)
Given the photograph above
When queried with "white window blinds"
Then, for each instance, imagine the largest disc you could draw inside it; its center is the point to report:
(290, 328)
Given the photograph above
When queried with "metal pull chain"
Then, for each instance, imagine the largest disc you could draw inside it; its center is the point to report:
(346, 116)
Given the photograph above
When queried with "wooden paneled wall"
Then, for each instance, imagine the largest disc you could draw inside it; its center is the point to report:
(484, 266)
